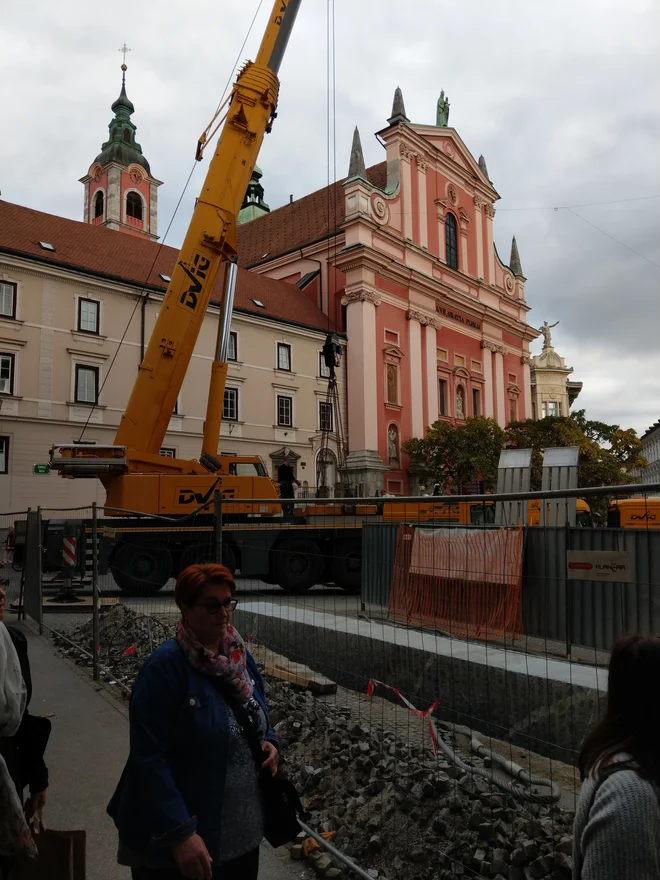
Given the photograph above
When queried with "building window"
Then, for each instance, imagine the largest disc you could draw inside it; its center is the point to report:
(513, 409)
(451, 251)
(230, 406)
(7, 373)
(87, 384)
(7, 299)
(325, 417)
(476, 405)
(167, 451)
(4, 455)
(442, 397)
(392, 383)
(232, 348)
(88, 315)
(324, 369)
(283, 357)
(284, 411)
(98, 204)
(134, 205)
(550, 408)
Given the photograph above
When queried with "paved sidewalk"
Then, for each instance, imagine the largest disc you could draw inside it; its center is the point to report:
(85, 756)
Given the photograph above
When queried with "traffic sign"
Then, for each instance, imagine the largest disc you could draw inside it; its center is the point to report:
(40, 468)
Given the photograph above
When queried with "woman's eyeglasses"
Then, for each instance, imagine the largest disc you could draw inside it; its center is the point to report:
(214, 607)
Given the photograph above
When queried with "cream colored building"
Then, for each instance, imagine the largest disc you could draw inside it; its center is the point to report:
(77, 305)
(553, 392)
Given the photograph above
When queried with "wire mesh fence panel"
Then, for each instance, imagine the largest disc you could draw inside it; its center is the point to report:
(13, 527)
(411, 648)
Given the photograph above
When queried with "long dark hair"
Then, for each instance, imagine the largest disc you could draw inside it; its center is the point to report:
(632, 719)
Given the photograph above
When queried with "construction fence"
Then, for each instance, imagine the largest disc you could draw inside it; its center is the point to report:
(411, 649)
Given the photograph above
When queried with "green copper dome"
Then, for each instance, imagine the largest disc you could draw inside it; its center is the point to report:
(121, 145)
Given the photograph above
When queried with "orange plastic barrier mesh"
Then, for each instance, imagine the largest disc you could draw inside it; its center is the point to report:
(466, 582)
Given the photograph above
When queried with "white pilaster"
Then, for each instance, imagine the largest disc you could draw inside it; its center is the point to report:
(527, 392)
(406, 196)
(153, 208)
(416, 402)
(421, 198)
(361, 368)
(500, 391)
(113, 196)
(479, 232)
(430, 339)
(489, 408)
(490, 255)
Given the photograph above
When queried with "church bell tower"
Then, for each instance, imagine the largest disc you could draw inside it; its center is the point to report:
(120, 191)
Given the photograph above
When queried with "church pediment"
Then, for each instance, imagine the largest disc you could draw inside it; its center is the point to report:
(393, 351)
(448, 142)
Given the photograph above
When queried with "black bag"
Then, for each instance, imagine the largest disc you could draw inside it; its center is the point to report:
(280, 799)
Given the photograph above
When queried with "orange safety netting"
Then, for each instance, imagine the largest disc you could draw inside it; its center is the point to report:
(466, 582)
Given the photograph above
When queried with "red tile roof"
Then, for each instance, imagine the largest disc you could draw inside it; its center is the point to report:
(309, 219)
(129, 259)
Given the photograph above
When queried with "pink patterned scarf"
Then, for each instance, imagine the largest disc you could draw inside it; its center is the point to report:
(229, 664)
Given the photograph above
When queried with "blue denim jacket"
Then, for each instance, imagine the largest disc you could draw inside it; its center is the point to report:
(173, 783)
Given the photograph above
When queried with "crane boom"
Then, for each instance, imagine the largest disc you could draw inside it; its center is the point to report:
(209, 242)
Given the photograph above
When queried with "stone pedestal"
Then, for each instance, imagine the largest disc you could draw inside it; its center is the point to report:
(364, 470)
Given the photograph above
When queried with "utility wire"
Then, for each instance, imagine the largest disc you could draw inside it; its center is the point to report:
(627, 247)
(582, 205)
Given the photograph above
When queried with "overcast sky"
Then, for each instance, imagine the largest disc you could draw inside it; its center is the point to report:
(561, 97)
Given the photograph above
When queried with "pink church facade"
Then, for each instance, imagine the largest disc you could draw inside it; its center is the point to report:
(436, 323)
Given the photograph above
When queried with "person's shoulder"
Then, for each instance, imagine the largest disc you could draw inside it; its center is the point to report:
(167, 656)
(626, 789)
(18, 638)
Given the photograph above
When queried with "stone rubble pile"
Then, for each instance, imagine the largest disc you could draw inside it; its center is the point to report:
(126, 638)
(397, 810)
(400, 812)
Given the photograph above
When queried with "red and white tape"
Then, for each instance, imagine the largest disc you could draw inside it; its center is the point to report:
(69, 551)
(427, 713)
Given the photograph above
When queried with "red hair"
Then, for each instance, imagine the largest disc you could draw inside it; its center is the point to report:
(192, 580)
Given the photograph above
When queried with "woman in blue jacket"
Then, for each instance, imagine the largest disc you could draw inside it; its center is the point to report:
(188, 803)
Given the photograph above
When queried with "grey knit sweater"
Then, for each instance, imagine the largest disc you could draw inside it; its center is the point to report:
(619, 838)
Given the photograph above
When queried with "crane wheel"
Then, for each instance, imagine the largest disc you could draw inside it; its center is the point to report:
(297, 565)
(347, 568)
(204, 553)
(140, 570)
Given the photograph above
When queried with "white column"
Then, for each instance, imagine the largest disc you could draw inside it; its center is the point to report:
(153, 208)
(416, 403)
(406, 195)
(527, 391)
(421, 198)
(113, 195)
(489, 408)
(361, 372)
(490, 256)
(499, 389)
(479, 230)
(431, 373)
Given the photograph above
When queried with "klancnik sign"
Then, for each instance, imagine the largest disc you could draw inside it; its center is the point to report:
(41, 469)
(599, 565)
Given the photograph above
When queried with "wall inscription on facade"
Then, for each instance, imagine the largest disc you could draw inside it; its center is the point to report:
(456, 317)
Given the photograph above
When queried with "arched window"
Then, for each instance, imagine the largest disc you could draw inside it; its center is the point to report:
(134, 205)
(98, 204)
(451, 251)
(127, 136)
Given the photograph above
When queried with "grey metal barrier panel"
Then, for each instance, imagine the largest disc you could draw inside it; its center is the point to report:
(378, 551)
(589, 613)
(33, 585)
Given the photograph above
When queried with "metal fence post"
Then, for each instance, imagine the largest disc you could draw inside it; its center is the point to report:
(217, 526)
(95, 596)
(40, 573)
(568, 589)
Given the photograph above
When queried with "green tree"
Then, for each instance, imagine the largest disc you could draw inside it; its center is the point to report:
(452, 455)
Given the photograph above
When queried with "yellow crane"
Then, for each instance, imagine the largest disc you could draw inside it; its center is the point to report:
(133, 473)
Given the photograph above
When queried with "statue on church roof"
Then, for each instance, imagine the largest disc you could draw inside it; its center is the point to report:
(547, 337)
(442, 113)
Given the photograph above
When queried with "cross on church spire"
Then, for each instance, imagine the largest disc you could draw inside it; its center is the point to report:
(124, 49)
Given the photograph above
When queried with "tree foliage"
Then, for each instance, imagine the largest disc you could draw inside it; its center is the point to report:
(450, 455)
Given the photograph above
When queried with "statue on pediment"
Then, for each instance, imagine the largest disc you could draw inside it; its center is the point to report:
(545, 330)
(442, 113)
